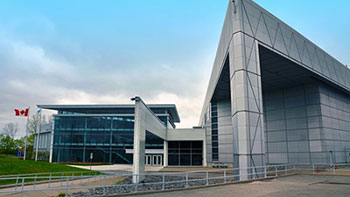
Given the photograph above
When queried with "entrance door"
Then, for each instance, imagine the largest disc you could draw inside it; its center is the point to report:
(148, 160)
(157, 160)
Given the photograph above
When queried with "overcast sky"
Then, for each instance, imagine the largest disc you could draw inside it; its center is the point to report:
(105, 52)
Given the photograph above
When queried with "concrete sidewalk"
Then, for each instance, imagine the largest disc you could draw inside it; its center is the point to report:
(117, 167)
(289, 186)
(190, 168)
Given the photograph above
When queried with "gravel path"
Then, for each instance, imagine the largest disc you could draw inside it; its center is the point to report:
(152, 182)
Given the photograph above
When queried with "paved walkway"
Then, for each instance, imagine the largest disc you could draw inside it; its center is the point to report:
(186, 169)
(121, 167)
(290, 186)
(117, 167)
(298, 185)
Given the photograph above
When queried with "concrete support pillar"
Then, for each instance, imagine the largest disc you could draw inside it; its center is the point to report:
(205, 164)
(145, 120)
(165, 154)
(139, 146)
(51, 140)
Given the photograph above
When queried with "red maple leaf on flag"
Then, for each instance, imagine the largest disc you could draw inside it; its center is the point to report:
(23, 112)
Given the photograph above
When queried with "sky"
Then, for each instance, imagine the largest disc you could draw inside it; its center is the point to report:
(105, 52)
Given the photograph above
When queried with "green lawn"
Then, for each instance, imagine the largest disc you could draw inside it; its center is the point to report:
(12, 165)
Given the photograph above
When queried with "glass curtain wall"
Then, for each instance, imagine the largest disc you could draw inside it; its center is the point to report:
(214, 131)
(106, 137)
(185, 153)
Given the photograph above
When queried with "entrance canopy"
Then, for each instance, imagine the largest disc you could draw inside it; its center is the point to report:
(146, 120)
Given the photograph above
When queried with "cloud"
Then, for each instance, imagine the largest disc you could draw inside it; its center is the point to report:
(34, 58)
(45, 62)
(31, 75)
(188, 107)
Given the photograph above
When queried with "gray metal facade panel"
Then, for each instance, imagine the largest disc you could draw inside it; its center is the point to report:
(231, 25)
(303, 123)
(335, 133)
(225, 131)
(288, 124)
(251, 19)
(306, 131)
(272, 32)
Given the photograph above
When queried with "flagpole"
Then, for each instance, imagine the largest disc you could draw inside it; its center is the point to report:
(26, 137)
(37, 136)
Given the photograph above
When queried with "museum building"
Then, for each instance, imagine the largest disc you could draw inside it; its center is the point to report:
(273, 97)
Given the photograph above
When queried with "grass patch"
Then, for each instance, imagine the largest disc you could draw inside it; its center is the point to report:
(12, 165)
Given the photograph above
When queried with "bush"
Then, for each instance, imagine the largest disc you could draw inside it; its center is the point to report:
(61, 194)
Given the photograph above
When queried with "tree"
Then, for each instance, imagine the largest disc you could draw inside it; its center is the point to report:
(30, 143)
(7, 144)
(10, 129)
(30, 146)
(35, 121)
(20, 142)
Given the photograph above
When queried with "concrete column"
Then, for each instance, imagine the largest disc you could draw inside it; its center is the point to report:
(139, 145)
(165, 154)
(144, 120)
(51, 140)
(205, 164)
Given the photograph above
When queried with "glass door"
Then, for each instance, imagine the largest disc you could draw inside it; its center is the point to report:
(157, 160)
(148, 160)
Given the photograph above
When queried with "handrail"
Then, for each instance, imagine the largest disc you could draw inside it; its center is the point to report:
(179, 179)
(40, 173)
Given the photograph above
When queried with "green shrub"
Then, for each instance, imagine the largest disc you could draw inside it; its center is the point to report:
(61, 194)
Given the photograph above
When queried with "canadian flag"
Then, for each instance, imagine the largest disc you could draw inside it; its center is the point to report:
(23, 112)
